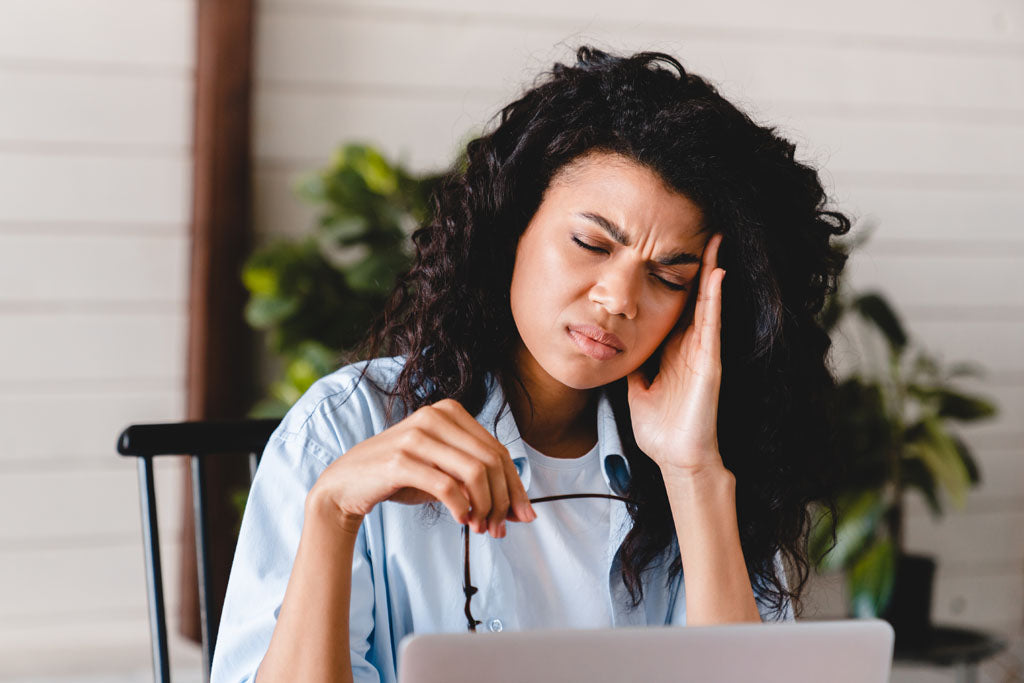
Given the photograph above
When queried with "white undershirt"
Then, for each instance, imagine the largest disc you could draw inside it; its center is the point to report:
(573, 530)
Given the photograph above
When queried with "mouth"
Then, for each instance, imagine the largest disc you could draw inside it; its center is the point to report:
(595, 342)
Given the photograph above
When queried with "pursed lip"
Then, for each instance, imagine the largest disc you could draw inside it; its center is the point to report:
(599, 335)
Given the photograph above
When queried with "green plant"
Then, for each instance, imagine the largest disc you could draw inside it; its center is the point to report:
(316, 296)
(894, 428)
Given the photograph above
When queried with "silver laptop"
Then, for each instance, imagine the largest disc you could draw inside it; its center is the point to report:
(846, 651)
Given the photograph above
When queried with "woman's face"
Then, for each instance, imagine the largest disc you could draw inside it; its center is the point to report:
(611, 253)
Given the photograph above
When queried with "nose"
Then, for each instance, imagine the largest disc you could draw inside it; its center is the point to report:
(617, 291)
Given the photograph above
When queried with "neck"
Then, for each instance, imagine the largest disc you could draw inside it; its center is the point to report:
(563, 420)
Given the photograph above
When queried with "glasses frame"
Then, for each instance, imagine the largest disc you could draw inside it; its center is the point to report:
(467, 585)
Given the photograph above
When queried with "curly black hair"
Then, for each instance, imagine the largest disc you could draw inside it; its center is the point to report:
(450, 315)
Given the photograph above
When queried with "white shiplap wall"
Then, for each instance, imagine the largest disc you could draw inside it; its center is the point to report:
(95, 183)
(915, 110)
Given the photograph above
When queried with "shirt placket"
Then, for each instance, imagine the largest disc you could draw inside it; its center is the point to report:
(494, 603)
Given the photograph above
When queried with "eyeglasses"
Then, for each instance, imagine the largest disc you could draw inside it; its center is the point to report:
(467, 586)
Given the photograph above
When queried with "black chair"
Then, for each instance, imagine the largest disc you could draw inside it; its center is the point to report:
(197, 440)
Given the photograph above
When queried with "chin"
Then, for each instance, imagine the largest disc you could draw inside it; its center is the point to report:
(584, 375)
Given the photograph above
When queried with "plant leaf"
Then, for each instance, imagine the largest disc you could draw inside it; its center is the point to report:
(973, 472)
(871, 578)
(346, 229)
(937, 450)
(916, 475)
(858, 522)
(875, 309)
(819, 535)
(260, 279)
(963, 407)
(266, 311)
(379, 176)
(312, 361)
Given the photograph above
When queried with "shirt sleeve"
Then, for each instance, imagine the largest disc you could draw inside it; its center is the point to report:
(361, 621)
(267, 544)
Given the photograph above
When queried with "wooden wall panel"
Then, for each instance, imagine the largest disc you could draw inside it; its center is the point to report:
(109, 34)
(94, 346)
(96, 269)
(985, 23)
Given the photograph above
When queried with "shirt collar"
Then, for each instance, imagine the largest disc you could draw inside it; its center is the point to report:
(614, 466)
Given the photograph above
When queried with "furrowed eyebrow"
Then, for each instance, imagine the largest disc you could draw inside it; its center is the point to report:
(616, 233)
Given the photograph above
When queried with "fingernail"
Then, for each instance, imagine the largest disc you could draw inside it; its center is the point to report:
(533, 513)
(501, 528)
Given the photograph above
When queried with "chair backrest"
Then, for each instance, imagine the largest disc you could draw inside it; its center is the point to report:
(197, 440)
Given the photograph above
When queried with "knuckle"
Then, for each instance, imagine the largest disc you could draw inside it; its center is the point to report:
(501, 456)
(394, 463)
(445, 487)
(450, 404)
(423, 414)
(410, 437)
(478, 472)
(445, 406)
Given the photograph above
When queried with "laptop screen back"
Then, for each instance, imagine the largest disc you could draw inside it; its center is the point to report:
(847, 651)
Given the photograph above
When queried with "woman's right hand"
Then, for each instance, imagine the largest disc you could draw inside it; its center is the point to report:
(439, 452)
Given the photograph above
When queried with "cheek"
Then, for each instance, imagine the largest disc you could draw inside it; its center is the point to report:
(662, 321)
(542, 277)
(530, 296)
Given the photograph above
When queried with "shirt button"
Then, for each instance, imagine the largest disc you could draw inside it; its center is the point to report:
(494, 625)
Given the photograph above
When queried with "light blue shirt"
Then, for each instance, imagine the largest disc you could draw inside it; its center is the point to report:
(408, 567)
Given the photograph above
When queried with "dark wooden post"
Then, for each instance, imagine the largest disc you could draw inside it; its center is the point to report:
(220, 368)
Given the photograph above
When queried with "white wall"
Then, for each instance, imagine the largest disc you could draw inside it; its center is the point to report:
(95, 186)
(915, 110)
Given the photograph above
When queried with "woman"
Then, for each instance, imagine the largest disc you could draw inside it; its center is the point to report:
(567, 328)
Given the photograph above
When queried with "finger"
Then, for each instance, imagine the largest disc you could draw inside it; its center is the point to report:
(467, 469)
(708, 263)
(517, 501)
(711, 326)
(710, 258)
(423, 476)
(520, 509)
(443, 421)
(487, 450)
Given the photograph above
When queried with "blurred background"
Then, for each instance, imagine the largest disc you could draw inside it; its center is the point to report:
(143, 141)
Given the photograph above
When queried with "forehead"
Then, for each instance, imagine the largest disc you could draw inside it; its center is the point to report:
(626, 192)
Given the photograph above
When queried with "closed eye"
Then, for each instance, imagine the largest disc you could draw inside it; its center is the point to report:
(590, 247)
(671, 285)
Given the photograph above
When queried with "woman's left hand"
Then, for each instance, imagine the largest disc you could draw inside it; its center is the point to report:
(675, 416)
